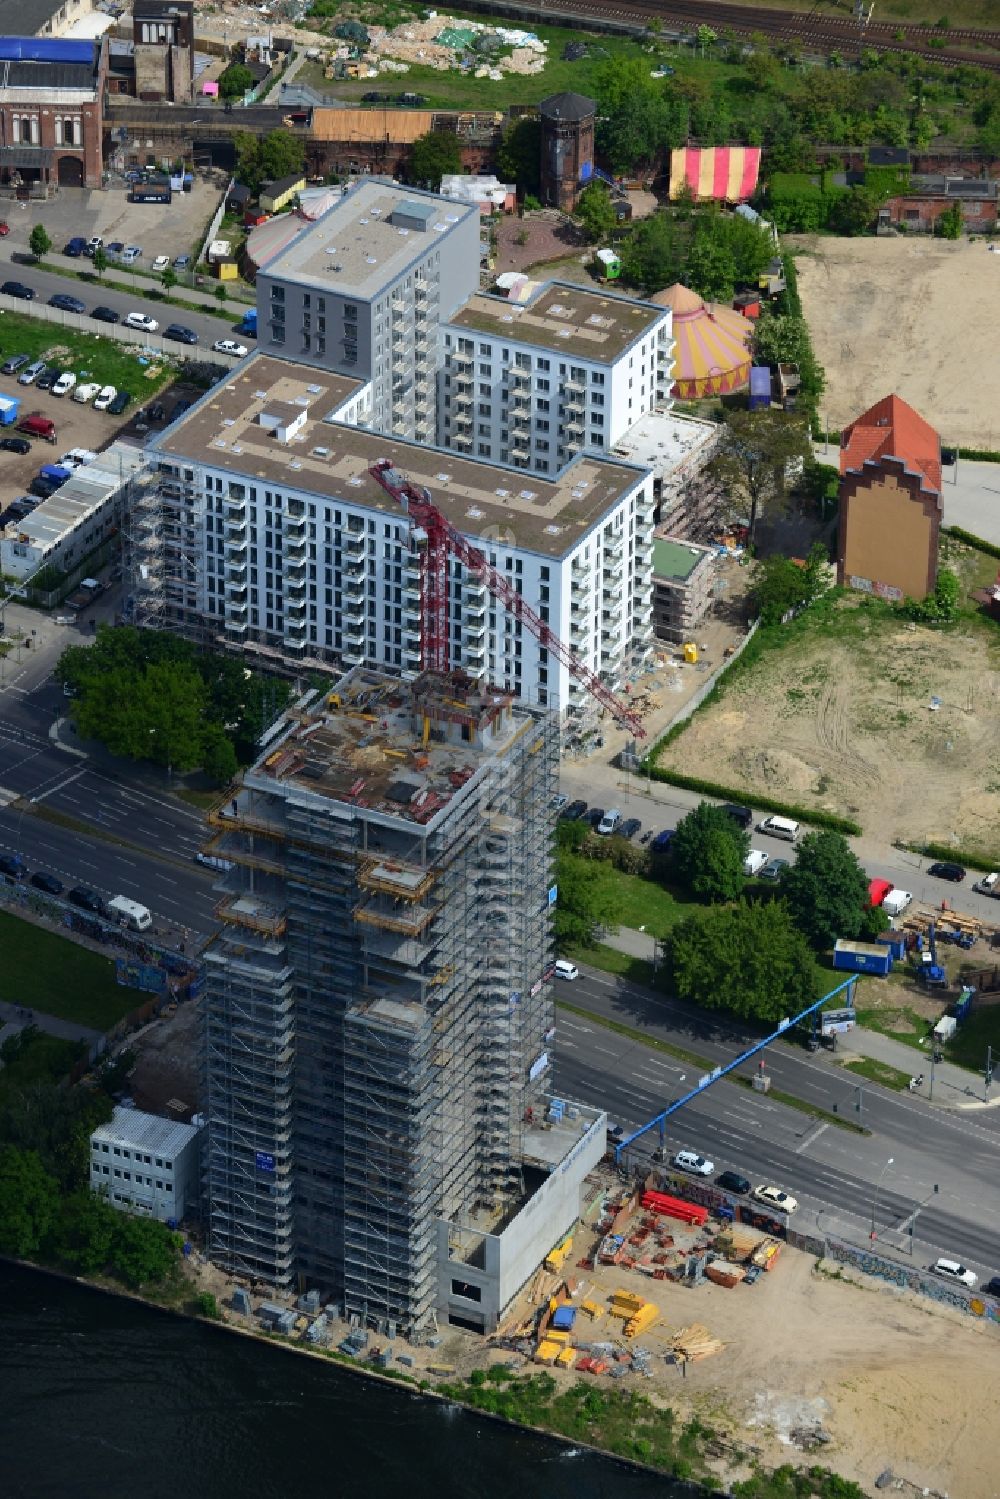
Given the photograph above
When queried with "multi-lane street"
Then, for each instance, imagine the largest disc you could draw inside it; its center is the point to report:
(834, 1173)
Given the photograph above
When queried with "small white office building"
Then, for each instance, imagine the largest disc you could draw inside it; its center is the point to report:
(147, 1165)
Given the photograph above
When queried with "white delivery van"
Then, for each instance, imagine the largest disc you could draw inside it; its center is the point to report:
(754, 861)
(896, 901)
(779, 827)
(609, 822)
(129, 913)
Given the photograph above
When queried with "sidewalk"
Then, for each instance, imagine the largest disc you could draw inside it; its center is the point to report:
(64, 1029)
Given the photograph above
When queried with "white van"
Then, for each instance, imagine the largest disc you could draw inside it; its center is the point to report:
(129, 913)
(779, 827)
(896, 901)
(609, 822)
(754, 861)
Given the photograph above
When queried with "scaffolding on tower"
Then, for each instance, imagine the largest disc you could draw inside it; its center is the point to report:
(437, 538)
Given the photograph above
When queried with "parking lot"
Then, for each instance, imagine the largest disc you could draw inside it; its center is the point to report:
(175, 228)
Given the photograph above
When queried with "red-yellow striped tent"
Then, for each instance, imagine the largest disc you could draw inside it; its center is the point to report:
(726, 173)
(711, 345)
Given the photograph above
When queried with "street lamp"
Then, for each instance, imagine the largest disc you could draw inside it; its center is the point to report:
(875, 1198)
(661, 1154)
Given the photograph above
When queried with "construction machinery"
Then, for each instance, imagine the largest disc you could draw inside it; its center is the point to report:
(436, 539)
(929, 970)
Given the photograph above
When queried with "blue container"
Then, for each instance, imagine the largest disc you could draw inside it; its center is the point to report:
(760, 387)
(563, 1318)
(862, 957)
(895, 942)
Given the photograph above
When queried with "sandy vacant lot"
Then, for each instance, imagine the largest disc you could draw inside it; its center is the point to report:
(913, 315)
(843, 722)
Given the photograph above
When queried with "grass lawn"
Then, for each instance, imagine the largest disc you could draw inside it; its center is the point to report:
(902, 1024)
(648, 904)
(610, 960)
(879, 1072)
(51, 974)
(967, 1048)
(103, 359)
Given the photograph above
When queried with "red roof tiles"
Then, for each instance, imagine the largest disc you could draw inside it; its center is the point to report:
(892, 429)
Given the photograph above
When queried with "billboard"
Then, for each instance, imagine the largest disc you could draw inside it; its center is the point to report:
(837, 1022)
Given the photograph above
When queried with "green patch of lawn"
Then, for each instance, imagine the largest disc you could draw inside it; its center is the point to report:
(967, 1048)
(902, 1024)
(879, 1072)
(149, 293)
(649, 905)
(610, 960)
(104, 359)
(51, 974)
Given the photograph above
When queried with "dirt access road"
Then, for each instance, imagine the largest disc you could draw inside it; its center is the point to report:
(912, 316)
(841, 719)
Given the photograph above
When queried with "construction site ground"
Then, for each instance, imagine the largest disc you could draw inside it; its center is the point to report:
(842, 716)
(905, 316)
(809, 1363)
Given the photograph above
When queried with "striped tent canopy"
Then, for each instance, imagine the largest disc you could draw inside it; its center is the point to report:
(726, 173)
(711, 345)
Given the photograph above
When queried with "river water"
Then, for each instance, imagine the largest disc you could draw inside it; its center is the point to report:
(102, 1398)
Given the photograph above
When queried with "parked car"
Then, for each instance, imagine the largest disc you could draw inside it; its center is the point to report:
(114, 250)
(121, 400)
(12, 865)
(573, 812)
(773, 869)
(661, 843)
(86, 899)
(142, 321)
(47, 882)
(106, 315)
(64, 384)
(690, 1160)
(992, 1286)
(953, 1270)
(4, 228)
(774, 1197)
(75, 247)
(755, 861)
(105, 396)
(15, 445)
(66, 303)
(630, 827)
(161, 262)
(14, 363)
(741, 815)
(230, 346)
(131, 254)
(180, 334)
(19, 290)
(595, 816)
(944, 870)
(566, 970)
(95, 242)
(179, 410)
(30, 374)
(181, 262)
(48, 377)
(86, 392)
(731, 1181)
(610, 822)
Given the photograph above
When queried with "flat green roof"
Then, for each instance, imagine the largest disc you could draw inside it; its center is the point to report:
(672, 559)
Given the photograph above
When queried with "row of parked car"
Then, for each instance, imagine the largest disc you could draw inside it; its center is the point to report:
(120, 908)
(119, 253)
(63, 383)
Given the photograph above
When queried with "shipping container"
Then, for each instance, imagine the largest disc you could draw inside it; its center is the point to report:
(760, 387)
(862, 957)
(9, 407)
(156, 191)
(895, 942)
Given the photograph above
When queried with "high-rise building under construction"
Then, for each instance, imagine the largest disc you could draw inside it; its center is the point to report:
(379, 1010)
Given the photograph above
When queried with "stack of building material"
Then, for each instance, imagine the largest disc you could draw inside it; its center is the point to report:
(675, 1207)
(547, 1351)
(694, 1343)
(565, 1358)
(625, 1303)
(592, 1309)
(643, 1319)
(555, 1258)
(738, 1242)
(766, 1254)
(720, 1273)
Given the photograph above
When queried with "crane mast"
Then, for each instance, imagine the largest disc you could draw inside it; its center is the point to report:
(438, 539)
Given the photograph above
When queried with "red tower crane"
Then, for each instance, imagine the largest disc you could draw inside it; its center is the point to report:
(437, 538)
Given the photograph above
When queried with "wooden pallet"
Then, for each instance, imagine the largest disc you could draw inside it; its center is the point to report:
(695, 1342)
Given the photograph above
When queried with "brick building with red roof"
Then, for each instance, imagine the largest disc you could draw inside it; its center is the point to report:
(890, 502)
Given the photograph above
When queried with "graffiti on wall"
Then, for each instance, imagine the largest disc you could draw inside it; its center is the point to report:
(912, 1278)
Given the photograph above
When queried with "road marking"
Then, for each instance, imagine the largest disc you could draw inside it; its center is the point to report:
(165, 881)
(58, 787)
(6, 797)
(605, 1049)
(812, 1136)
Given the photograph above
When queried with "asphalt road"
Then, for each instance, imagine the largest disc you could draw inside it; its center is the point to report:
(45, 283)
(834, 1173)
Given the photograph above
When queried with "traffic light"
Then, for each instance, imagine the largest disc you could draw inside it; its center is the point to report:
(989, 1076)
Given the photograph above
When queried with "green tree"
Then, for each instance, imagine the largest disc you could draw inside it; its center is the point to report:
(706, 38)
(940, 607)
(282, 154)
(205, 1305)
(28, 1202)
(596, 212)
(84, 1236)
(39, 242)
(778, 586)
(826, 888)
(143, 1251)
(589, 899)
(748, 959)
(152, 715)
(855, 211)
(710, 270)
(949, 224)
(235, 81)
(755, 451)
(519, 154)
(707, 853)
(654, 253)
(433, 156)
(218, 756)
(100, 262)
(53, 1122)
(221, 294)
(168, 278)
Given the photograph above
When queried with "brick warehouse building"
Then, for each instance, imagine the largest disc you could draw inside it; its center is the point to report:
(51, 112)
(890, 502)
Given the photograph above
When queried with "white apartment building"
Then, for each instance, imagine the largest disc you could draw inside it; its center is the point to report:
(145, 1164)
(362, 291)
(567, 371)
(261, 527)
(64, 530)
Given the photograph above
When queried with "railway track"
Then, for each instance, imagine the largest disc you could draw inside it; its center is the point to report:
(821, 33)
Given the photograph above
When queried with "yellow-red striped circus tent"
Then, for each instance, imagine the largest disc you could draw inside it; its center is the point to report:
(726, 173)
(711, 345)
